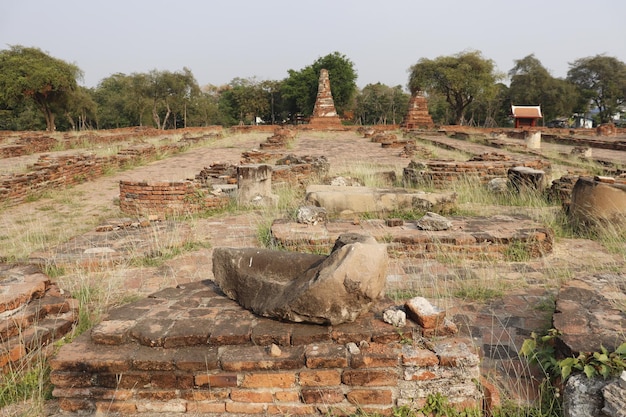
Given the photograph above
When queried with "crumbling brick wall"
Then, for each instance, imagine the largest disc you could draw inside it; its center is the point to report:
(57, 172)
(441, 173)
(167, 198)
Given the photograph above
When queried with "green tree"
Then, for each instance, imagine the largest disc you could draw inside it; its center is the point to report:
(462, 79)
(81, 109)
(381, 104)
(171, 93)
(111, 96)
(30, 74)
(601, 80)
(532, 84)
(300, 88)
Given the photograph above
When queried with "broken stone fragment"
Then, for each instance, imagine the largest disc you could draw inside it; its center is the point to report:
(424, 313)
(311, 215)
(434, 222)
(301, 287)
(394, 316)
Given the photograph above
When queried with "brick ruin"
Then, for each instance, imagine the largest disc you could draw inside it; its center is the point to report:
(191, 350)
(468, 238)
(324, 113)
(482, 167)
(168, 198)
(34, 313)
(214, 186)
(58, 172)
(417, 116)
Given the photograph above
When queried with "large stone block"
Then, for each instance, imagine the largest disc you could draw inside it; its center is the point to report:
(303, 287)
(338, 199)
(598, 201)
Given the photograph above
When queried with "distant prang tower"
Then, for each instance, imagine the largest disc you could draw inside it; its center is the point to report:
(417, 116)
(324, 113)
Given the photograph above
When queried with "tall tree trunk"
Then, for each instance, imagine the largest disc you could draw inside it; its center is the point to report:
(167, 115)
(155, 116)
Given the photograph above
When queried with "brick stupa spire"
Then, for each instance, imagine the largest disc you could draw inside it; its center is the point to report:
(324, 113)
(417, 117)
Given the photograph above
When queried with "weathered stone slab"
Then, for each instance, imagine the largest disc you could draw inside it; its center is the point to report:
(470, 237)
(337, 199)
(587, 313)
(304, 287)
(596, 201)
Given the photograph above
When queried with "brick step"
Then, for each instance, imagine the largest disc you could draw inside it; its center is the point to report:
(189, 349)
(35, 313)
(497, 238)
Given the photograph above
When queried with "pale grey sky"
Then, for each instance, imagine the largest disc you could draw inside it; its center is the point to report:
(221, 40)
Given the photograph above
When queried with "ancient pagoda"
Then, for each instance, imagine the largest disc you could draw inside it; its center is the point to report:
(324, 113)
(417, 117)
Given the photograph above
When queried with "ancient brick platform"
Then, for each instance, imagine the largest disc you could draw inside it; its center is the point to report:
(191, 350)
(483, 238)
(116, 241)
(168, 198)
(33, 313)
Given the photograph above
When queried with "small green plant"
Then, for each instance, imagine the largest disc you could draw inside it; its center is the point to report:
(540, 350)
(437, 405)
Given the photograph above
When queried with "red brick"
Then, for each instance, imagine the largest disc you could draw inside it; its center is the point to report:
(164, 380)
(376, 356)
(113, 407)
(216, 380)
(370, 396)
(370, 378)
(308, 334)
(231, 330)
(73, 405)
(175, 406)
(196, 359)
(351, 332)
(247, 396)
(343, 410)
(420, 375)
(251, 358)
(267, 332)
(291, 410)
(71, 379)
(157, 395)
(418, 357)
(322, 395)
(326, 355)
(287, 396)
(269, 380)
(244, 408)
(322, 378)
(213, 395)
(204, 407)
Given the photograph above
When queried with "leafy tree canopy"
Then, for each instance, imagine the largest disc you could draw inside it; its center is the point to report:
(601, 80)
(31, 74)
(462, 79)
(300, 88)
(381, 104)
(532, 84)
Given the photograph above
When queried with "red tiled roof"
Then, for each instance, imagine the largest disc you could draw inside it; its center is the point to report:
(526, 112)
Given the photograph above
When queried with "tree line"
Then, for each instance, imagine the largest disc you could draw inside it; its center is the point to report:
(38, 91)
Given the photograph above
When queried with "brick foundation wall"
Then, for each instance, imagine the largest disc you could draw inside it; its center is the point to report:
(214, 357)
(167, 198)
(441, 173)
(56, 172)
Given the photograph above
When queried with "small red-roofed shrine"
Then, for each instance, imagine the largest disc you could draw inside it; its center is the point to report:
(526, 116)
